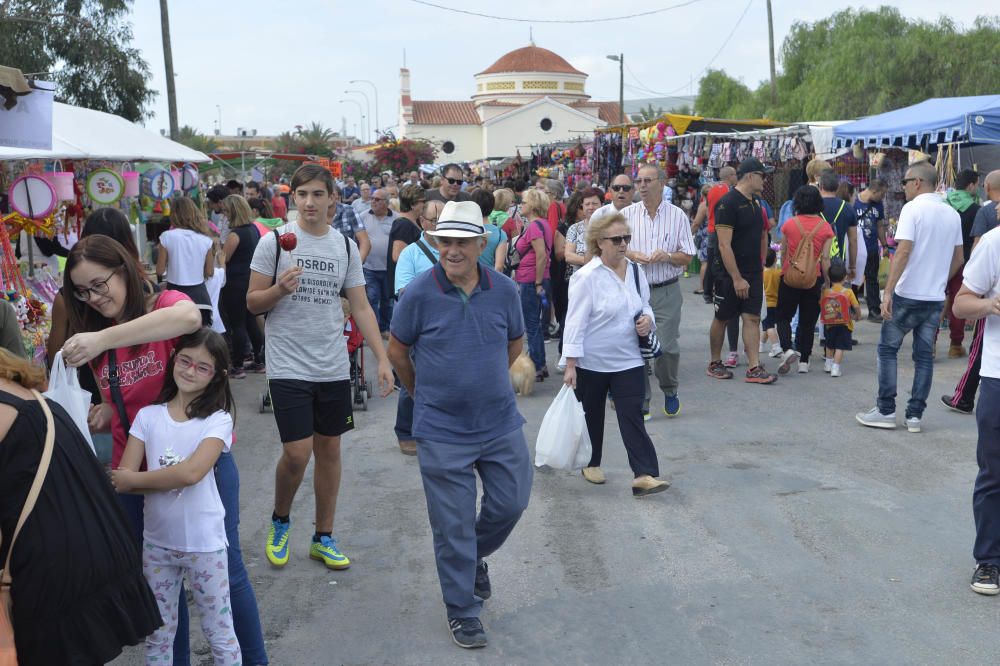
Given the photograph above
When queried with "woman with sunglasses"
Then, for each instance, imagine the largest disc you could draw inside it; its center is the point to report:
(126, 332)
(608, 312)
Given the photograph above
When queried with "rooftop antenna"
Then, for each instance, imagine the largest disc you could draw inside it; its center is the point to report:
(404, 58)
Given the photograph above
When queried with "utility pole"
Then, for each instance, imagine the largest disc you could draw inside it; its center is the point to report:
(168, 62)
(770, 41)
(620, 59)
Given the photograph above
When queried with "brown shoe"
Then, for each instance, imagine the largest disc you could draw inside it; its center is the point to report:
(594, 475)
(956, 351)
(408, 447)
(647, 485)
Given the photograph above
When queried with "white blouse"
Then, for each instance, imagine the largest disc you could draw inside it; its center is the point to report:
(600, 321)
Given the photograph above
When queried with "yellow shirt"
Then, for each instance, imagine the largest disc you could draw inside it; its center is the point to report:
(855, 306)
(772, 278)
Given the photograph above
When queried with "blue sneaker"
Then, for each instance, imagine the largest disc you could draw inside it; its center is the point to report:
(277, 543)
(672, 406)
(325, 550)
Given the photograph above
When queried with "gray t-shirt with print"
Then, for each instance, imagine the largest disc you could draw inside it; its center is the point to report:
(305, 330)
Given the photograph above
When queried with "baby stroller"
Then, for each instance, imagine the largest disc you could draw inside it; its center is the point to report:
(356, 354)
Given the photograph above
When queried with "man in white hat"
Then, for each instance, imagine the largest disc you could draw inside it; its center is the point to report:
(455, 332)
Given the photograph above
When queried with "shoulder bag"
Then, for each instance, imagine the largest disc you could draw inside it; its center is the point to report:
(8, 650)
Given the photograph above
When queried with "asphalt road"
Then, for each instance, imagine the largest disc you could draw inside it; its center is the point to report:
(790, 535)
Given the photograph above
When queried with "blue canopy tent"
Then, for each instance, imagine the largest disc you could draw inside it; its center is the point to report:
(968, 120)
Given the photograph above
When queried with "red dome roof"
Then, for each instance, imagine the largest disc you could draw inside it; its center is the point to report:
(531, 59)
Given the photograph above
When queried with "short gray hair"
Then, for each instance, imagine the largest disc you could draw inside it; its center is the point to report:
(660, 175)
(926, 172)
(829, 181)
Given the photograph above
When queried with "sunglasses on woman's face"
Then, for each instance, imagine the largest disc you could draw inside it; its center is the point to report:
(618, 240)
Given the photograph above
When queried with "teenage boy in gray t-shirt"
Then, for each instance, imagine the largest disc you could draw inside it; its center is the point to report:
(307, 363)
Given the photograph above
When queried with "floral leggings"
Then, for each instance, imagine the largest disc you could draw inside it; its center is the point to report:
(208, 578)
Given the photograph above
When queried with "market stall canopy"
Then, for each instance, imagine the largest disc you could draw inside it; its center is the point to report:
(684, 124)
(84, 134)
(933, 121)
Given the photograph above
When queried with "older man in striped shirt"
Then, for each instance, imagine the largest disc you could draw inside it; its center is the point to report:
(662, 244)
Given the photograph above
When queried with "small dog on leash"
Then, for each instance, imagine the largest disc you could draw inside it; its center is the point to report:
(522, 374)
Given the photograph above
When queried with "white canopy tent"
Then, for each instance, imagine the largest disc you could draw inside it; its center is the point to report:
(82, 134)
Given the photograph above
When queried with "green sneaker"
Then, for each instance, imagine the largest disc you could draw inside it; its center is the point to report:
(325, 550)
(277, 543)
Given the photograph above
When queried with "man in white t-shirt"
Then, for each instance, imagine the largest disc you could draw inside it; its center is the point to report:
(979, 298)
(307, 364)
(928, 253)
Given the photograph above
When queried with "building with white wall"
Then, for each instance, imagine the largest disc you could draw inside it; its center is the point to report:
(529, 96)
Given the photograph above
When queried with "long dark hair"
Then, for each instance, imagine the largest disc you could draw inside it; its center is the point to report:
(104, 251)
(111, 222)
(573, 207)
(217, 396)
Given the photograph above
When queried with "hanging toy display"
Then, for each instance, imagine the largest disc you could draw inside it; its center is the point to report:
(189, 178)
(105, 187)
(158, 184)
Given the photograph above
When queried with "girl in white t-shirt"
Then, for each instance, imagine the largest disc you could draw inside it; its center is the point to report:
(181, 435)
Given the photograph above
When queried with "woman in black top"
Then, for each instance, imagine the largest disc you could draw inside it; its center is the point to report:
(238, 248)
(77, 586)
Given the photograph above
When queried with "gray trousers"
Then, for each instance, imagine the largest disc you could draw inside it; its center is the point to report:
(666, 303)
(460, 537)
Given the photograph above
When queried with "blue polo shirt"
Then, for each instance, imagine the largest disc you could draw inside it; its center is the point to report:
(459, 348)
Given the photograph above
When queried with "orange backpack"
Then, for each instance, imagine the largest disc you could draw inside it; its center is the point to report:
(801, 273)
(834, 308)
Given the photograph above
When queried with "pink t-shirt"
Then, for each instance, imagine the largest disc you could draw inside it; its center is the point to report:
(537, 228)
(141, 372)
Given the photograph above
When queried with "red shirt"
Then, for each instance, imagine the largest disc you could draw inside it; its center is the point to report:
(279, 207)
(717, 192)
(794, 237)
(556, 213)
(141, 372)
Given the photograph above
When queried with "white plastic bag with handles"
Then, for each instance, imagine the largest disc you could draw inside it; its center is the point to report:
(64, 388)
(563, 441)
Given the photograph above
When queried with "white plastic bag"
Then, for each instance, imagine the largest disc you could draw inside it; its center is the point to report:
(64, 388)
(563, 441)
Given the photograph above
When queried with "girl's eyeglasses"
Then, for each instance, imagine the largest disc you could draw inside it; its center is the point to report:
(99, 288)
(184, 362)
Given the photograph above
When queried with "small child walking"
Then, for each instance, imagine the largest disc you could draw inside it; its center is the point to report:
(839, 309)
(181, 435)
(772, 278)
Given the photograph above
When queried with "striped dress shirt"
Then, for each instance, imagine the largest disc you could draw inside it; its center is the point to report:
(669, 230)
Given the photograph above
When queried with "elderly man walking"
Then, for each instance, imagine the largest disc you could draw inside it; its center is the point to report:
(456, 331)
(662, 244)
(928, 254)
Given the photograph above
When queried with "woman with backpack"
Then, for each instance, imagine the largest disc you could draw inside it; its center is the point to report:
(533, 248)
(805, 259)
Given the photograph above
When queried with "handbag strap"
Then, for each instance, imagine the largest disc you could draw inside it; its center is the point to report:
(36, 485)
(114, 383)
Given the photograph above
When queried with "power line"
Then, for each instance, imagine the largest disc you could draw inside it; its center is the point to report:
(608, 19)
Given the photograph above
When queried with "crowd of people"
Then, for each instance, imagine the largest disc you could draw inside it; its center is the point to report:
(436, 274)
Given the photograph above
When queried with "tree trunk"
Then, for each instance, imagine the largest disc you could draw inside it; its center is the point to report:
(168, 62)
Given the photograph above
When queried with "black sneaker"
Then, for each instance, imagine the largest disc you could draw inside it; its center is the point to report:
(962, 408)
(482, 589)
(467, 632)
(986, 579)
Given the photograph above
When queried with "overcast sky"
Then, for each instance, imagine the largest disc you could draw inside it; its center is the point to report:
(270, 69)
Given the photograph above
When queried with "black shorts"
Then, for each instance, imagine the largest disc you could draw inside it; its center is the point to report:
(302, 408)
(728, 305)
(837, 337)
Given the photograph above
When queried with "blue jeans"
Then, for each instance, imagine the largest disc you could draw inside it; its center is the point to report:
(921, 317)
(380, 296)
(404, 415)
(531, 308)
(986, 493)
(246, 619)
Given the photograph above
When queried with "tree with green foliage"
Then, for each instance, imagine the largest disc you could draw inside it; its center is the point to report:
(863, 62)
(84, 46)
(195, 140)
(647, 114)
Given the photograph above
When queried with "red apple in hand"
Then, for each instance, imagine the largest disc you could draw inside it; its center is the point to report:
(288, 241)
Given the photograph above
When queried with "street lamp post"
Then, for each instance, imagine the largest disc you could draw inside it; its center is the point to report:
(361, 111)
(378, 125)
(620, 59)
(218, 107)
(368, 104)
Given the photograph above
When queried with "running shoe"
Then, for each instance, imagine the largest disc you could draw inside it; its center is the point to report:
(237, 373)
(325, 551)
(467, 632)
(959, 407)
(277, 543)
(986, 579)
(719, 371)
(732, 360)
(759, 375)
(672, 405)
(873, 418)
(788, 359)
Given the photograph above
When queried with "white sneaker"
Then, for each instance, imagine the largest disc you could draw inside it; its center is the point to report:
(827, 364)
(835, 370)
(803, 367)
(876, 419)
(788, 358)
(913, 424)
(732, 360)
(776, 350)
(763, 347)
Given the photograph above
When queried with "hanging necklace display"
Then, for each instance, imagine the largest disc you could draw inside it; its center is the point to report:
(105, 187)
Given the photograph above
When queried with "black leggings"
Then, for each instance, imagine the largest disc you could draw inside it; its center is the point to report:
(806, 301)
(629, 389)
(243, 327)
(198, 294)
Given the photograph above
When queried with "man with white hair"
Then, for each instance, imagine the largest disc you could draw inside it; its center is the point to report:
(463, 314)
